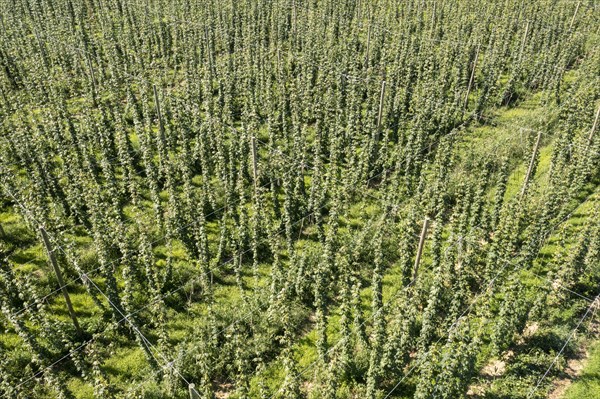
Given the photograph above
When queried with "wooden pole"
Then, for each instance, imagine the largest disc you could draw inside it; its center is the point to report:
(381, 97)
(294, 18)
(471, 79)
(193, 393)
(523, 41)
(254, 162)
(3, 27)
(58, 273)
(368, 46)
(459, 254)
(159, 114)
(209, 53)
(574, 15)
(594, 126)
(279, 65)
(92, 77)
(41, 46)
(420, 248)
(531, 163)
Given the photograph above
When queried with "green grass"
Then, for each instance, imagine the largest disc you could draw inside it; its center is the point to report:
(587, 385)
(126, 365)
(83, 391)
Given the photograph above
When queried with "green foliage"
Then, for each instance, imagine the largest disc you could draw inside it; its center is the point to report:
(234, 193)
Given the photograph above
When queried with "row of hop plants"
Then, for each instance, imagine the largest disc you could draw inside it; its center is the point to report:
(139, 125)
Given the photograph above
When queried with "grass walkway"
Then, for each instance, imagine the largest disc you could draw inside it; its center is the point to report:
(587, 384)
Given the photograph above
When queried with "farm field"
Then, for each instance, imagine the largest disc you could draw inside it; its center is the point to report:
(293, 199)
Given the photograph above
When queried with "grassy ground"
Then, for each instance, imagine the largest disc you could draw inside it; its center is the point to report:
(587, 384)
